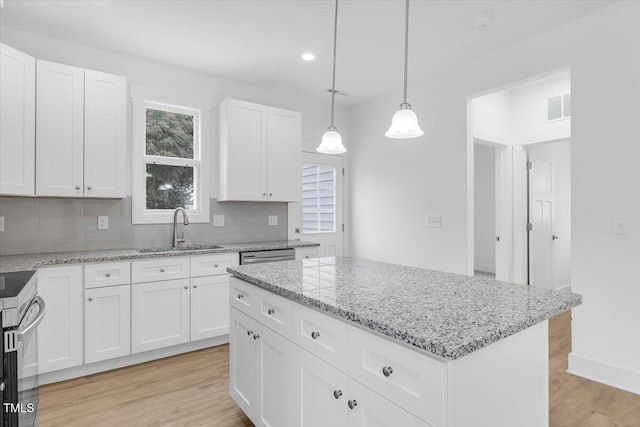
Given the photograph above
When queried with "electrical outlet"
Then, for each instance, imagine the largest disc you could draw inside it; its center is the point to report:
(273, 219)
(434, 221)
(103, 223)
(1, 223)
(218, 220)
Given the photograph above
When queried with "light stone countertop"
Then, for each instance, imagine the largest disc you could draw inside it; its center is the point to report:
(11, 263)
(444, 314)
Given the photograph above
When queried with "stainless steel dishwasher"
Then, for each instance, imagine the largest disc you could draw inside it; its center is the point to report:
(256, 257)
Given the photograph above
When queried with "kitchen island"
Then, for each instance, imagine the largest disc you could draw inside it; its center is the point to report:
(347, 342)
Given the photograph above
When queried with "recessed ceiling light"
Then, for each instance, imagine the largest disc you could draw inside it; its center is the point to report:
(308, 56)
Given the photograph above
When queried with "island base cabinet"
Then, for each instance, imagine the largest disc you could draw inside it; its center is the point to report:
(320, 392)
(107, 330)
(160, 314)
(209, 307)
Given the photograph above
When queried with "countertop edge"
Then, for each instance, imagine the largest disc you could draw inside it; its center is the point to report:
(417, 343)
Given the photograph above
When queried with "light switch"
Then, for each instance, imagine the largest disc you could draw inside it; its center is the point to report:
(103, 223)
(620, 225)
(1, 223)
(273, 219)
(218, 220)
(434, 221)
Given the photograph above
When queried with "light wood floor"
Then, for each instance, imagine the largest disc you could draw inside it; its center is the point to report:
(192, 390)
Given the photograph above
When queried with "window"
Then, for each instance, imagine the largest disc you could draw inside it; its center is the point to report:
(559, 107)
(170, 159)
(318, 198)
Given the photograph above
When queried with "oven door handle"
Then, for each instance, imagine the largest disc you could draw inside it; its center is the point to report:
(37, 300)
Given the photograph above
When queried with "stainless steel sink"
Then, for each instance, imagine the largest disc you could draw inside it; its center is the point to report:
(179, 249)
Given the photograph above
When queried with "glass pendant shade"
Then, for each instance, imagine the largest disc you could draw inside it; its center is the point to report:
(404, 124)
(331, 142)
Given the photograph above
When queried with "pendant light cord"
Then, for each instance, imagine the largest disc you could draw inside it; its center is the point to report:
(406, 49)
(335, 45)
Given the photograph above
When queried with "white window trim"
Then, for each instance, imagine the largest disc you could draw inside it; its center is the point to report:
(146, 97)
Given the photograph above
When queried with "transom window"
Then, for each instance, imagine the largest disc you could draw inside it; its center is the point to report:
(559, 107)
(170, 156)
(318, 198)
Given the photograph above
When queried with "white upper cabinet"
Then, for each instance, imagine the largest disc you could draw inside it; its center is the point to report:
(17, 115)
(59, 130)
(80, 132)
(105, 133)
(260, 150)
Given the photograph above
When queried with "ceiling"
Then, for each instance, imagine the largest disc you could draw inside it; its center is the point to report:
(260, 42)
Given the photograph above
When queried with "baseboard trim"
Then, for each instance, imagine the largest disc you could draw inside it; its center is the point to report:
(485, 268)
(604, 373)
(132, 359)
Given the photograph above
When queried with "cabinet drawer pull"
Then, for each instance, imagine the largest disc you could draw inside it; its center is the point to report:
(270, 311)
(352, 403)
(89, 188)
(215, 265)
(108, 274)
(270, 194)
(162, 270)
(387, 371)
(77, 187)
(195, 286)
(256, 336)
(315, 335)
(240, 296)
(90, 298)
(186, 287)
(249, 332)
(337, 393)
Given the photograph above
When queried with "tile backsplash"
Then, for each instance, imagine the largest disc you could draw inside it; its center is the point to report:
(40, 225)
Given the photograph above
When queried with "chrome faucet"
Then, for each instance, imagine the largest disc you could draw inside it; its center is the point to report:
(176, 239)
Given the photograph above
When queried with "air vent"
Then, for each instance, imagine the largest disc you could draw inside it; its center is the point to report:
(338, 92)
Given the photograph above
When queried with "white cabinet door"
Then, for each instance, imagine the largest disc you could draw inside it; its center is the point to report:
(60, 333)
(243, 145)
(59, 130)
(369, 409)
(209, 306)
(17, 115)
(284, 152)
(107, 320)
(320, 392)
(105, 133)
(160, 314)
(242, 362)
(274, 379)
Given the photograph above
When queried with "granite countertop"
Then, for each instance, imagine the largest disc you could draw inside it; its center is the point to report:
(447, 315)
(10, 263)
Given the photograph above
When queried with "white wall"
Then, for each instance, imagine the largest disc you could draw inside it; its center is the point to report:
(394, 184)
(492, 117)
(485, 209)
(315, 115)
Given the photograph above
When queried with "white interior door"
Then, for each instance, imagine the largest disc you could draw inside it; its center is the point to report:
(504, 214)
(541, 217)
(319, 217)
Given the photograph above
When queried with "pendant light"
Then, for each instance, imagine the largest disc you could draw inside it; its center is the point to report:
(331, 140)
(404, 124)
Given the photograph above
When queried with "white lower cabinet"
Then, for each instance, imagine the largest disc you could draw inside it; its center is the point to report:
(107, 323)
(160, 314)
(209, 306)
(242, 362)
(60, 333)
(320, 392)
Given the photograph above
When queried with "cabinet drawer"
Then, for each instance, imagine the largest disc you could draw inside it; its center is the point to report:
(273, 311)
(152, 270)
(306, 253)
(242, 295)
(210, 265)
(107, 274)
(410, 379)
(322, 336)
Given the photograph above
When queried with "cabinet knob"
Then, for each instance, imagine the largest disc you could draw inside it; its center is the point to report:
(90, 298)
(108, 274)
(77, 187)
(162, 270)
(256, 336)
(270, 194)
(240, 296)
(249, 332)
(270, 311)
(215, 265)
(352, 403)
(315, 335)
(264, 194)
(89, 188)
(195, 286)
(387, 371)
(186, 287)
(306, 256)
(337, 393)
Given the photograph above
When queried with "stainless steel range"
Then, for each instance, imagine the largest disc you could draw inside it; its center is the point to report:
(22, 311)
